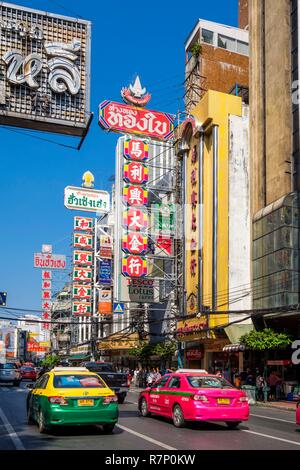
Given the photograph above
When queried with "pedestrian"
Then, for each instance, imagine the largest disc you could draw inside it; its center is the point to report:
(135, 376)
(260, 386)
(157, 375)
(273, 381)
(237, 380)
(219, 373)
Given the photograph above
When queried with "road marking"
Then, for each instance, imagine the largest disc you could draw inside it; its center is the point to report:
(5, 389)
(131, 402)
(274, 419)
(272, 437)
(10, 432)
(146, 438)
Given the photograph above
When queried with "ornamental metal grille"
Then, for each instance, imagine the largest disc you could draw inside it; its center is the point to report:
(44, 70)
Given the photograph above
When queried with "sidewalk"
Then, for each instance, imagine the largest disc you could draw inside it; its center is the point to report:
(279, 405)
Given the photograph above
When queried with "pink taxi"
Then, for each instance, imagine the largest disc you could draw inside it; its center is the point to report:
(298, 413)
(187, 395)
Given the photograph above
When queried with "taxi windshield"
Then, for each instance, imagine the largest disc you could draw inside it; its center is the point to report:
(78, 381)
(208, 382)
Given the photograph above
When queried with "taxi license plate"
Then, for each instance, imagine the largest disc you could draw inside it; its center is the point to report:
(85, 402)
(223, 401)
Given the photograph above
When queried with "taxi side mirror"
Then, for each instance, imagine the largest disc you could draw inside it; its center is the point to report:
(31, 386)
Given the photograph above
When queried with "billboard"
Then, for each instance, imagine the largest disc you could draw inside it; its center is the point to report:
(43, 260)
(86, 200)
(44, 70)
(8, 336)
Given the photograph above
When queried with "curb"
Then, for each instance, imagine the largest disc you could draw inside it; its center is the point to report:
(276, 407)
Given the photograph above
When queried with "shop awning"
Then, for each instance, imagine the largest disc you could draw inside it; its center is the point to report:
(234, 348)
(77, 357)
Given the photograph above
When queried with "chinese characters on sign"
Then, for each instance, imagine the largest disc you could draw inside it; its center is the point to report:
(134, 266)
(46, 68)
(82, 261)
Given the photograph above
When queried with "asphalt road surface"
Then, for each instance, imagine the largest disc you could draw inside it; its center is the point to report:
(267, 429)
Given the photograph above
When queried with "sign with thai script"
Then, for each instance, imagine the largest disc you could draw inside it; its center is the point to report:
(126, 119)
(86, 200)
(45, 70)
(105, 271)
(85, 224)
(50, 261)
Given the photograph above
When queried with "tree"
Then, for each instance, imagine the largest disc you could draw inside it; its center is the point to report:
(266, 339)
(51, 360)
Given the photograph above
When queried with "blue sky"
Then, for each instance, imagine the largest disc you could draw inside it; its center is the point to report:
(127, 38)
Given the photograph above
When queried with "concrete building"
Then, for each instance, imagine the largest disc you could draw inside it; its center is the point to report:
(213, 147)
(216, 58)
(274, 156)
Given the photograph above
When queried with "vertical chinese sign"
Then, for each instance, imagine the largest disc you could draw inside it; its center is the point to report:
(48, 262)
(135, 216)
(105, 275)
(82, 266)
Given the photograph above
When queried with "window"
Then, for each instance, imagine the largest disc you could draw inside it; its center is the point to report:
(207, 36)
(243, 48)
(227, 43)
(8, 365)
(175, 382)
(78, 381)
(208, 382)
(43, 381)
(163, 381)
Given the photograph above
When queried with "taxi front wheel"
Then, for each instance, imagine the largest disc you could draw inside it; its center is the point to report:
(108, 428)
(178, 418)
(144, 408)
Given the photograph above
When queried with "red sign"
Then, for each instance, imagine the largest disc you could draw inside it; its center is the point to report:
(283, 362)
(105, 252)
(134, 266)
(135, 195)
(194, 354)
(134, 242)
(35, 347)
(46, 305)
(46, 315)
(46, 294)
(126, 119)
(135, 219)
(135, 172)
(135, 149)
(46, 275)
(83, 223)
(163, 246)
(46, 284)
(45, 326)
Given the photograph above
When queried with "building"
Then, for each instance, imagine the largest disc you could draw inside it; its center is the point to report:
(213, 148)
(274, 156)
(61, 316)
(216, 58)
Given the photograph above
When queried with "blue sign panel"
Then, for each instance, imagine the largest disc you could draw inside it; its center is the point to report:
(3, 296)
(119, 307)
(105, 271)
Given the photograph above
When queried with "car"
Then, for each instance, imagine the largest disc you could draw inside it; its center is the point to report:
(195, 396)
(68, 396)
(10, 373)
(28, 373)
(298, 413)
(119, 382)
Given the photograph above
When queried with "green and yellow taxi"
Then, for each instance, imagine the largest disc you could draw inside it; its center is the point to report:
(69, 397)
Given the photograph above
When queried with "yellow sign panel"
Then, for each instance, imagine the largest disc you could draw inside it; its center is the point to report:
(45, 344)
(119, 341)
(192, 329)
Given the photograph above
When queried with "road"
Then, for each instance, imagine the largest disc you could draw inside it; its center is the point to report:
(266, 429)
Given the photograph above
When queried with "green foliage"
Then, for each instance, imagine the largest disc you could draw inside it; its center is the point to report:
(144, 350)
(196, 50)
(266, 339)
(51, 360)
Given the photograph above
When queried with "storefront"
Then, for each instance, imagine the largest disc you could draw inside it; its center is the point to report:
(116, 349)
